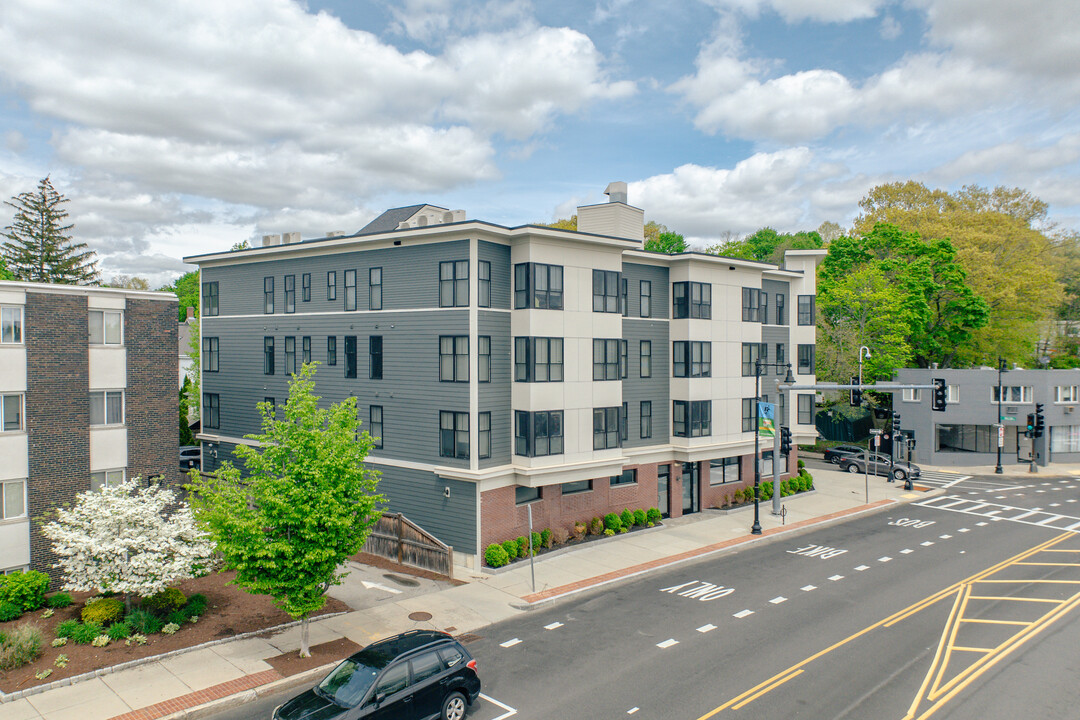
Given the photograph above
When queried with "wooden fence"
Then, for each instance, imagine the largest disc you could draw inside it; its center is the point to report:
(397, 538)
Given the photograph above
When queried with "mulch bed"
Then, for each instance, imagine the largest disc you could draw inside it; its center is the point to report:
(230, 611)
(291, 663)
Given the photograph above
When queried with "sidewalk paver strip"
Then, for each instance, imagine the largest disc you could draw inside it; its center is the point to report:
(201, 697)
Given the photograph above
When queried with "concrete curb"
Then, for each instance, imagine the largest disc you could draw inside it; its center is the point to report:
(243, 698)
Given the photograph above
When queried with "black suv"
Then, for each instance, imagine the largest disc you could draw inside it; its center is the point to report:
(417, 675)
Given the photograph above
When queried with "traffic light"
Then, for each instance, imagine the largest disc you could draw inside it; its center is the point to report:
(1030, 432)
(856, 393)
(896, 422)
(785, 440)
(1040, 423)
(939, 395)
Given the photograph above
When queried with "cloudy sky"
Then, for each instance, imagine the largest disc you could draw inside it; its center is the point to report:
(184, 127)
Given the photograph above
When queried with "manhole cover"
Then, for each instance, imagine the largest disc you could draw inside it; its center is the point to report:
(420, 616)
(400, 580)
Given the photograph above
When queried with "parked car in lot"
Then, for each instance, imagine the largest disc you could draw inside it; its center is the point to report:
(835, 454)
(417, 675)
(190, 457)
(879, 465)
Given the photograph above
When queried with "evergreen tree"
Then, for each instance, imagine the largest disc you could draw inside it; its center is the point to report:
(38, 248)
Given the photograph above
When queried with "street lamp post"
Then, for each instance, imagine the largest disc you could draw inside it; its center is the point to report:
(755, 529)
(1001, 368)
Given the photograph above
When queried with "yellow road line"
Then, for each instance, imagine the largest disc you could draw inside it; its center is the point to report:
(973, 649)
(952, 627)
(1062, 550)
(1042, 564)
(994, 622)
(761, 692)
(1028, 582)
(1014, 599)
(933, 664)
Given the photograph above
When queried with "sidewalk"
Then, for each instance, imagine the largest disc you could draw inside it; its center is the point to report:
(181, 685)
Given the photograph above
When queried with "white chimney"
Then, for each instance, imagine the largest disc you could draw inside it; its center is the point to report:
(615, 217)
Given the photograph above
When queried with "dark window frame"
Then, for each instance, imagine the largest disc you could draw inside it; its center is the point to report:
(696, 418)
(722, 464)
(305, 287)
(807, 309)
(375, 288)
(454, 440)
(483, 435)
(350, 290)
(751, 304)
(331, 285)
(305, 350)
(268, 355)
(606, 427)
(607, 354)
(454, 365)
(210, 357)
(645, 300)
(607, 287)
(645, 419)
(331, 350)
(212, 411)
(350, 356)
(627, 477)
(530, 364)
(696, 358)
(454, 283)
(483, 358)
(645, 359)
(806, 363)
(268, 295)
(749, 414)
(576, 487)
(805, 414)
(375, 357)
(751, 352)
(691, 300)
(539, 434)
(524, 495)
(210, 298)
(780, 318)
(375, 427)
(483, 283)
(624, 296)
(290, 354)
(535, 286)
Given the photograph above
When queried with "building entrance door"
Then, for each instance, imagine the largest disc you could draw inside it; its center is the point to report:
(663, 488)
(690, 490)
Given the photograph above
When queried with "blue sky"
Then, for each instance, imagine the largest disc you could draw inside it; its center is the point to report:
(178, 128)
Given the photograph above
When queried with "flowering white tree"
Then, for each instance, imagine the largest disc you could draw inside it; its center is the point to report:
(127, 539)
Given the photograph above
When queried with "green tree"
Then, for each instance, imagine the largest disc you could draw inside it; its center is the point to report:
(767, 245)
(667, 242)
(940, 309)
(38, 248)
(305, 504)
(186, 289)
(563, 223)
(4, 273)
(186, 437)
(128, 282)
(242, 245)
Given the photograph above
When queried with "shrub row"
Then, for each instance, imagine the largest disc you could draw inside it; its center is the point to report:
(21, 592)
(799, 483)
(499, 554)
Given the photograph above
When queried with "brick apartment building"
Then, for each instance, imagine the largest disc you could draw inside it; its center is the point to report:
(502, 368)
(88, 395)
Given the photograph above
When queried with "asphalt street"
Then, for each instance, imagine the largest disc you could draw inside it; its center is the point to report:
(961, 606)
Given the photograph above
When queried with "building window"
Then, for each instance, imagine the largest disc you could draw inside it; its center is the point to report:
(624, 423)
(268, 356)
(691, 418)
(1011, 394)
(268, 295)
(525, 495)
(483, 283)
(107, 407)
(11, 412)
(454, 434)
(751, 353)
(305, 287)
(624, 358)
(605, 291)
(646, 419)
(751, 304)
(748, 419)
(806, 309)
(538, 359)
(1062, 393)
(764, 308)
(766, 468)
(106, 327)
(806, 359)
(606, 359)
(952, 394)
(331, 285)
(290, 293)
(538, 286)
(974, 439)
(724, 470)
(350, 289)
(578, 486)
(780, 318)
(106, 479)
(806, 409)
(210, 354)
(209, 298)
(306, 350)
(375, 426)
(350, 356)
(538, 434)
(454, 358)
(626, 477)
(645, 359)
(691, 300)
(483, 358)
(646, 299)
(290, 355)
(483, 435)
(375, 357)
(1065, 439)
(13, 499)
(271, 406)
(375, 288)
(211, 410)
(606, 428)
(692, 359)
(454, 283)
(780, 355)
(912, 395)
(331, 350)
(624, 297)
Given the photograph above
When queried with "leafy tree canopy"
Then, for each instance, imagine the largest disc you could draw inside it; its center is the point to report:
(767, 245)
(186, 289)
(666, 242)
(128, 282)
(304, 505)
(4, 274)
(569, 223)
(38, 246)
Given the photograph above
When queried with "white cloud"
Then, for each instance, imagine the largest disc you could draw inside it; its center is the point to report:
(831, 11)
(890, 28)
(435, 21)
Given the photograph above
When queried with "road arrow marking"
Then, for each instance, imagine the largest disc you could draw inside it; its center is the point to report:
(378, 586)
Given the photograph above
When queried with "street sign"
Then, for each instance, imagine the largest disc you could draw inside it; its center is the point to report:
(1001, 436)
(1008, 417)
(875, 431)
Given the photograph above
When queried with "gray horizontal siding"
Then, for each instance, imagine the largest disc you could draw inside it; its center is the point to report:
(420, 496)
(494, 397)
(654, 388)
(658, 276)
(501, 272)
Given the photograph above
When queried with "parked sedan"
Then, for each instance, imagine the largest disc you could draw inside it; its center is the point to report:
(879, 465)
(835, 454)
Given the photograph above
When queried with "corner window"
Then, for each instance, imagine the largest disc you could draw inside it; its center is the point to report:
(538, 286)
(290, 355)
(106, 327)
(606, 427)
(210, 354)
(724, 470)
(11, 412)
(624, 297)
(645, 359)
(691, 359)
(350, 356)
(107, 407)
(454, 283)
(806, 360)
(691, 300)
(12, 499)
(306, 356)
(578, 486)
(211, 410)
(290, 293)
(375, 288)
(525, 495)
(305, 287)
(375, 425)
(764, 308)
(751, 305)
(645, 310)
(691, 418)
(453, 358)
(646, 419)
(331, 285)
(483, 283)
(605, 291)
(483, 358)
(209, 298)
(780, 355)
(268, 356)
(624, 423)
(538, 359)
(749, 421)
(606, 354)
(350, 290)
(806, 409)
(807, 309)
(454, 434)
(331, 350)
(751, 353)
(627, 477)
(538, 434)
(268, 295)
(375, 357)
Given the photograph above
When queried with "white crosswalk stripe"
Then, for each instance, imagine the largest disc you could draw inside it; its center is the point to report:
(995, 511)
